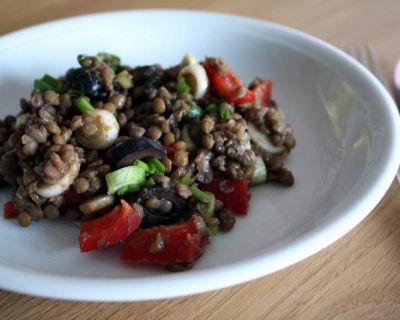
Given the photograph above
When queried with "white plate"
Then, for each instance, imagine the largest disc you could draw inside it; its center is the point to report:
(346, 124)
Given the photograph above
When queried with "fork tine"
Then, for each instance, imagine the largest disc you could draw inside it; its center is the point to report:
(375, 66)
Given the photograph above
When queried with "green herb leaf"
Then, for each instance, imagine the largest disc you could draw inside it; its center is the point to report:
(156, 164)
(127, 176)
(185, 179)
(83, 104)
(224, 111)
(204, 197)
(182, 86)
(125, 79)
(48, 83)
(211, 108)
(128, 189)
(212, 231)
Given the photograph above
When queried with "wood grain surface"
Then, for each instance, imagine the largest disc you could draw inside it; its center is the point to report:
(358, 277)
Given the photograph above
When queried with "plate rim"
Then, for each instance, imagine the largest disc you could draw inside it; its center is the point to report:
(102, 289)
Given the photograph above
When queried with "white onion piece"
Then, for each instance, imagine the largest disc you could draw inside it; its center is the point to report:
(197, 78)
(53, 190)
(189, 59)
(262, 141)
(96, 203)
(107, 133)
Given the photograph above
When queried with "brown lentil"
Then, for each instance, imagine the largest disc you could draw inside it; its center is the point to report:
(51, 97)
(180, 145)
(24, 219)
(39, 134)
(57, 139)
(81, 185)
(30, 148)
(66, 134)
(65, 101)
(135, 131)
(51, 212)
(154, 133)
(164, 126)
(118, 100)
(165, 206)
(162, 179)
(110, 107)
(159, 105)
(180, 158)
(207, 141)
(226, 219)
(26, 139)
(167, 164)
(37, 100)
(52, 127)
(153, 203)
(168, 138)
(207, 124)
(76, 123)
(183, 190)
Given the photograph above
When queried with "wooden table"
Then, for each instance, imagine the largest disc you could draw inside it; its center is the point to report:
(358, 277)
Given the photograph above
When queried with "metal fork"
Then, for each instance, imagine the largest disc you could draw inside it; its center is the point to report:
(366, 56)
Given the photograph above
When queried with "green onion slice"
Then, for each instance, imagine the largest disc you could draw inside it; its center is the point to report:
(127, 176)
(83, 104)
(204, 197)
(48, 83)
(182, 86)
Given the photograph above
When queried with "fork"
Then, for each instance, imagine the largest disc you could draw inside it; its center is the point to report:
(366, 56)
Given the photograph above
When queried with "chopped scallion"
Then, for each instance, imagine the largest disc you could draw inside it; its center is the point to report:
(127, 176)
(149, 182)
(48, 83)
(212, 231)
(204, 197)
(125, 79)
(142, 164)
(211, 108)
(128, 189)
(156, 164)
(182, 86)
(185, 179)
(224, 111)
(83, 104)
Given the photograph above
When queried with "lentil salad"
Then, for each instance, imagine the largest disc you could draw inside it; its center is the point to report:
(158, 159)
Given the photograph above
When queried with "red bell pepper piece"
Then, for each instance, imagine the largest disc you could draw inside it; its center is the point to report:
(177, 243)
(226, 84)
(262, 92)
(109, 229)
(10, 210)
(233, 193)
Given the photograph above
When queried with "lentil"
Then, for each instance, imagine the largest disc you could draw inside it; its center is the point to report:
(180, 158)
(227, 219)
(51, 97)
(51, 212)
(119, 101)
(154, 133)
(81, 185)
(153, 203)
(159, 105)
(24, 219)
(207, 124)
(165, 206)
(168, 138)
